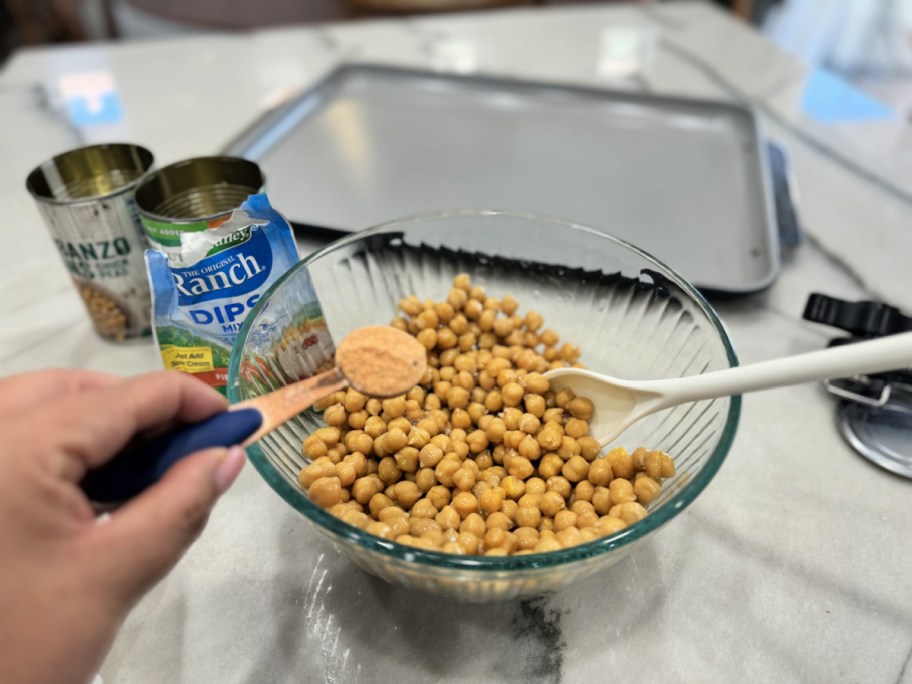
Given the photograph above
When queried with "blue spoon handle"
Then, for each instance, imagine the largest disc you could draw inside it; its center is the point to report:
(131, 471)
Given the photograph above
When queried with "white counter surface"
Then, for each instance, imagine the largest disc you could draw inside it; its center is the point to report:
(793, 566)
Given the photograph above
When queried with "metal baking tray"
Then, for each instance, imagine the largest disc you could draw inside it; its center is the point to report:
(687, 180)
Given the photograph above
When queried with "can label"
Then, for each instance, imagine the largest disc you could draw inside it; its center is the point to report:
(102, 243)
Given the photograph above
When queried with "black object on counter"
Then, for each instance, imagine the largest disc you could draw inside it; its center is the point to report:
(875, 411)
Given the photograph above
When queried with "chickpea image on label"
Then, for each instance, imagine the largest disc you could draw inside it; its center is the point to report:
(481, 457)
(109, 318)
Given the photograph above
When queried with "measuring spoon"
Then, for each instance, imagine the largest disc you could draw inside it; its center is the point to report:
(621, 403)
(379, 361)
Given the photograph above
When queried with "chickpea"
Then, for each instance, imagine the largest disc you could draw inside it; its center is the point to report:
(608, 524)
(588, 519)
(569, 537)
(580, 407)
(550, 438)
(357, 419)
(535, 404)
(461, 449)
(423, 508)
(550, 465)
(529, 423)
(428, 425)
(464, 479)
(358, 440)
(329, 435)
(512, 393)
(589, 447)
(467, 341)
(646, 490)
(407, 459)
(583, 491)
(427, 319)
(425, 479)
(491, 500)
(473, 523)
(335, 415)
(600, 473)
(346, 473)
(569, 448)
(654, 465)
(576, 427)
(601, 500)
(630, 512)
(621, 491)
(476, 411)
(379, 529)
(445, 471)
(375, 426)
(448, 518)
(668, 466)
(430, 455)
(456, 397)
(314, 447)
(638, 458)
(410, 305)
(526, 538)
(389, 471)
(377, 503)
(407, 493)
(315, 471)
(514, 486)
(419, 526)
(437, 495)
(477, 441)
(359, 463)
(394, 440)
(560, 485)
(465, 503)
(536, 485)
(621, 463)
(365, 487)
(529, 448)
(546, 545)
(325, 492)
(356, 518)
(576, 469)
(551, 503)
(565, 519)
(520, 468)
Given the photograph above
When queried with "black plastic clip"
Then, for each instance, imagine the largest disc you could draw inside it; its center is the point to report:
(862, 319)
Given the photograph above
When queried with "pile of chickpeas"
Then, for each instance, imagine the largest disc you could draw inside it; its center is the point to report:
(108, 318)
(482, 456)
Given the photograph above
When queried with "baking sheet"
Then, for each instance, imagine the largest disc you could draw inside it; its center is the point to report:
(686, 180)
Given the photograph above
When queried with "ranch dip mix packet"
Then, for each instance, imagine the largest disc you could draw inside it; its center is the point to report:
(201, 296)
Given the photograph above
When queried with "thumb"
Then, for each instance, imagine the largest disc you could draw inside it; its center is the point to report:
(146, 537)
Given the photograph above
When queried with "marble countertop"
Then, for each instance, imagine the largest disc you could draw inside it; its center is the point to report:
(793, 565)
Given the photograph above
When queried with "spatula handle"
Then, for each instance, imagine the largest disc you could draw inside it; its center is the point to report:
(872, 356)
(132, 471)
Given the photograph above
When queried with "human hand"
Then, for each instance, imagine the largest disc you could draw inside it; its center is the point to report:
(67, 580)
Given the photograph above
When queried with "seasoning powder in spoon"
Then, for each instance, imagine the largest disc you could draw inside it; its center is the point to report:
(381, 361)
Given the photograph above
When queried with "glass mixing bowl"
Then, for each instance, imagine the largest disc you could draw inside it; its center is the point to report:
(632, 316)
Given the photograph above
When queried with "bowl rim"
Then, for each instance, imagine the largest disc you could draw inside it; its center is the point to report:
(477, 563)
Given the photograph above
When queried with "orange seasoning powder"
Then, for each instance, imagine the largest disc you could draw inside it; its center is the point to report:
(381, 361)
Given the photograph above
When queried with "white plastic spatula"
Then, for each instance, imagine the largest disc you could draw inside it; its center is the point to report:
(620, 403)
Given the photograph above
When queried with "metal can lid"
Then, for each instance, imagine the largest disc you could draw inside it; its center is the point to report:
(882, 434)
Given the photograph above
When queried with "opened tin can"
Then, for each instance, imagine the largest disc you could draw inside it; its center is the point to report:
(86, 199)
(193, 195)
